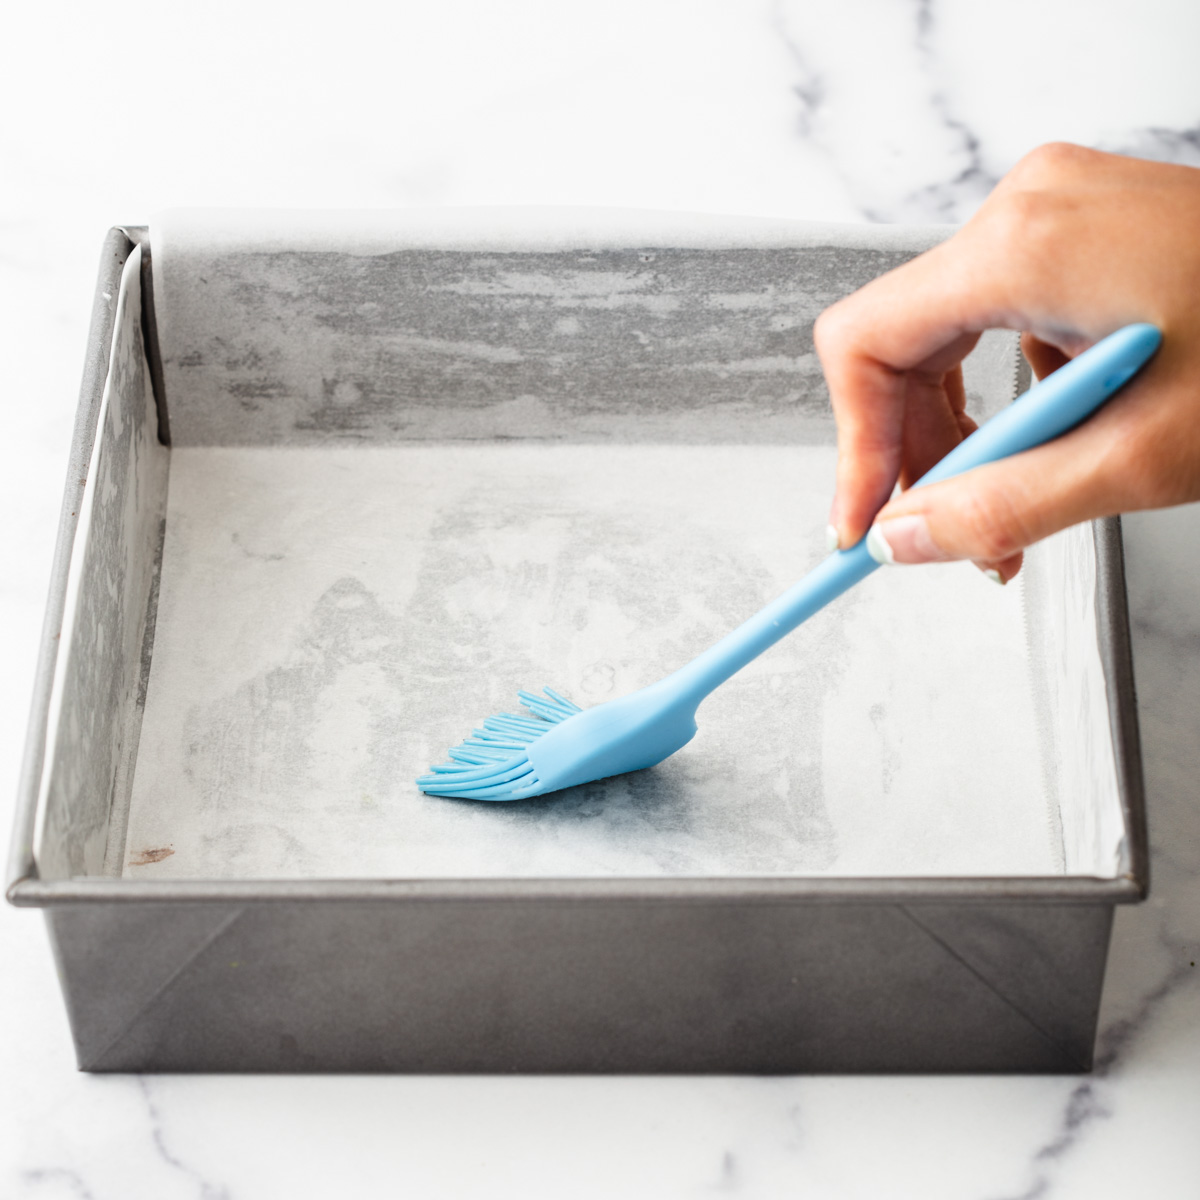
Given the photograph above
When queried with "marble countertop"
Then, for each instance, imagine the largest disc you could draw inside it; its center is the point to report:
(864, 110)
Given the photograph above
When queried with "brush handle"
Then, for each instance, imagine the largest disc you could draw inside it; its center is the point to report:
(1048, 410)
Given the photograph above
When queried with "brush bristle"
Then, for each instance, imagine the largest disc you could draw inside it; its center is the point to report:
(492, 763)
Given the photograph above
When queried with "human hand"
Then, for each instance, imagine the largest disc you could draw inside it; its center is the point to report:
(1070, 246)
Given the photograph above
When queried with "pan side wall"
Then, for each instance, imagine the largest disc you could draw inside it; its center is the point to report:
(584, 986)
(109, 622)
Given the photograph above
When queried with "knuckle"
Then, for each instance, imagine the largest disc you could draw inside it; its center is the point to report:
(828, 333)
(992, 528)
(1023, 236)
(1052, 160)
(1026, 218)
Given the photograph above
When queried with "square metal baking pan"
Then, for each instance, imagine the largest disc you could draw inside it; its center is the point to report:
(718, 971)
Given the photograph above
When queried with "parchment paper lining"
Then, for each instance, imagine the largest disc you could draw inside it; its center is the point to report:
(98, 691)
(343, 592)
(331, 620)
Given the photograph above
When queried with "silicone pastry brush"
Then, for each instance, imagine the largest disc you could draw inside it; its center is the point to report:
(556, 744)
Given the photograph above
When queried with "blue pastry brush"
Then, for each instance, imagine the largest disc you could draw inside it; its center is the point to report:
(556, 744)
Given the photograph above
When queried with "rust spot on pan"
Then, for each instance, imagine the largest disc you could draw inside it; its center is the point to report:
(143, 858)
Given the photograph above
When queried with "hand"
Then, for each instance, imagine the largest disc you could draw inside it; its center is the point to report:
(1071, 245)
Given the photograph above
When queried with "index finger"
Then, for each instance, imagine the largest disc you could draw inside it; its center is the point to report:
(887, 351)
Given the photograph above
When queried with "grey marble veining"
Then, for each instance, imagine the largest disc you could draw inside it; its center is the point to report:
(1147, 1052)
(949, 122)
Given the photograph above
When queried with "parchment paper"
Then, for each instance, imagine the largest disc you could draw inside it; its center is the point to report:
(331, 620)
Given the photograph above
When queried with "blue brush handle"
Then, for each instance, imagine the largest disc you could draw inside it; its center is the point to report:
(1046, 411)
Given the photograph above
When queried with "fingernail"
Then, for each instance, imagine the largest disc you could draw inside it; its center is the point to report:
(878, 548)
(832, 541)
(907, 540)
(995, 576)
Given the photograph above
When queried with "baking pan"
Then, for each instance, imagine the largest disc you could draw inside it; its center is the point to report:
(223, 894)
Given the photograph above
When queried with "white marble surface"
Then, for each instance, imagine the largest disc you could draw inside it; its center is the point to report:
(887, 110)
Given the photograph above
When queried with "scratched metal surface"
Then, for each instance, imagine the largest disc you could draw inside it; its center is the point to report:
(97, 703)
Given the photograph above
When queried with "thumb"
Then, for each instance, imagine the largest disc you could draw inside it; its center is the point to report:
(990, 514)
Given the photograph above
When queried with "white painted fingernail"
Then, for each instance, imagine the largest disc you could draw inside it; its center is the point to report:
(832, 541)
(995, 576)
(878, 548)
(907, 540)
